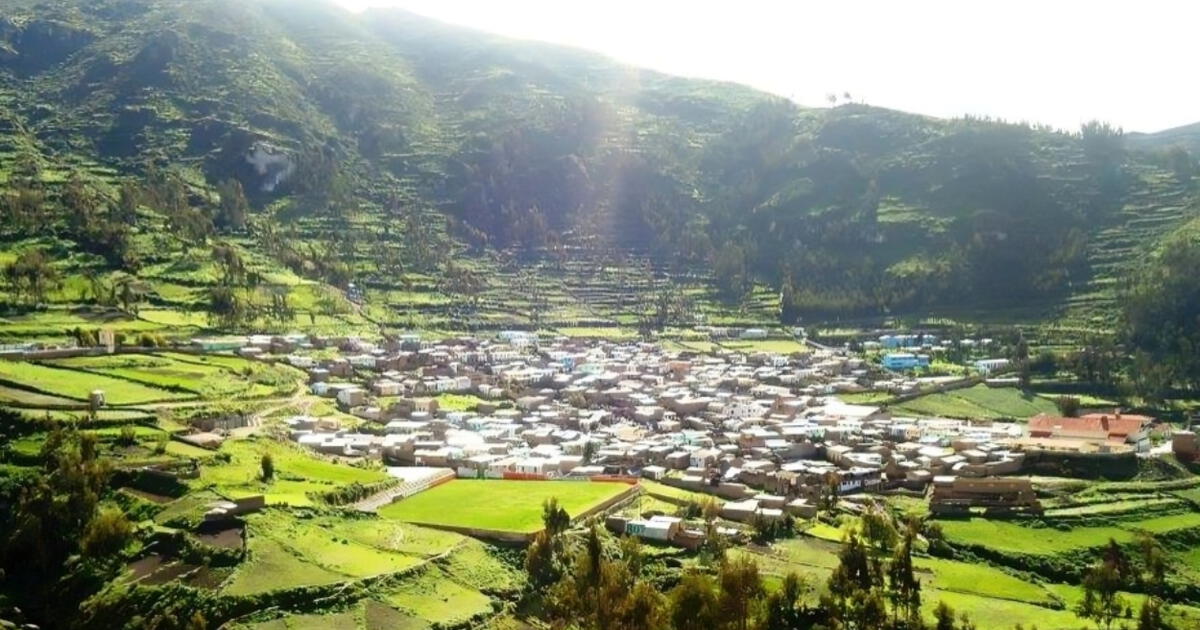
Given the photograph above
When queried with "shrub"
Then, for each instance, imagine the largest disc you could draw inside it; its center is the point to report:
(107, 534)
(128, 436)
(268, 467)
(1068, 406)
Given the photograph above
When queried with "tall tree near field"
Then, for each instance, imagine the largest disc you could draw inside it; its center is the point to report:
(741, 588)
(233, 208)
(31, 275)
(1102, 601)
(693, 603)
(904, 589)
(267, 463)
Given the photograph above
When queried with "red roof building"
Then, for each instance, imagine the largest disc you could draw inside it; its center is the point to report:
(1116, 428)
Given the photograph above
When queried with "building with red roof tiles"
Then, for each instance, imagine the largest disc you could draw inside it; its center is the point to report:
(1110, 428)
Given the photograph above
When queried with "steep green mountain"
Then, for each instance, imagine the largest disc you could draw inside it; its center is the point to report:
(416, 159)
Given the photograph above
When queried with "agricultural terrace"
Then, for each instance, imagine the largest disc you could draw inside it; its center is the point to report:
(211, 376)
(501, 505)
(1010, 537)
(992, 597)
(299, 476)
(78, 385)
(978, 403)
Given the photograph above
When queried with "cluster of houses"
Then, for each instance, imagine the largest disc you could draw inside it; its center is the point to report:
(911, 352)
(764, 432)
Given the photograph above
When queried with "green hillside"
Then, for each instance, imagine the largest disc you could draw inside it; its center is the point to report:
(172, 166)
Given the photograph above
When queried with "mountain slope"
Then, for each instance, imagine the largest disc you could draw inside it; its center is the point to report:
(354, 135)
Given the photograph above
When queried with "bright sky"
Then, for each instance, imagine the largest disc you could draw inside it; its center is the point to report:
(1060, 62)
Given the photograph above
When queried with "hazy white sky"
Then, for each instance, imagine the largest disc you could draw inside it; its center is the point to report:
(1060, 62)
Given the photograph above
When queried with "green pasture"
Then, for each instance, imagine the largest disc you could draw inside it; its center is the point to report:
(79, 385)
(297, 473)
(979, 402)
(503, 505)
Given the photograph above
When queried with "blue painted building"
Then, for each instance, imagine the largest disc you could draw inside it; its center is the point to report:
(905, 361)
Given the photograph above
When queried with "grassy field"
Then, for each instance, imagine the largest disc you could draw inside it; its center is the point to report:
(458, 402)
(978, 403)
(26, 398)
(272, 566)
(207, 379)
(776, 346)
(992, 597)
(79, 385)
(990, 613)
(512, 506)
(865, 398)
(436, 597)
(297, 473)
(288, 552)
(1010, 537)
(671, 492)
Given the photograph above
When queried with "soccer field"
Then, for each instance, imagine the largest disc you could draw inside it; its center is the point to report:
(503, 505)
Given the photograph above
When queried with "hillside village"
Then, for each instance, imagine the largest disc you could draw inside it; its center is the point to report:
(765, 432)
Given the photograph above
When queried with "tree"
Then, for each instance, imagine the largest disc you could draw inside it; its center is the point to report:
(268, 467)
(1150, 616)
(943, 617)
(828, 497)
(878, 528)
(555, 519)
(1068, 406)
(128, 200)
(233, 208)
(1102, 601)
(540, 563)
(1181, 164)
(226, 308)
(854, 597)
(31, 275)
(229, 262)
(785, 608)
(741, 588)
(730, 272)
(904, 589)
(107, 534)
(692, 605)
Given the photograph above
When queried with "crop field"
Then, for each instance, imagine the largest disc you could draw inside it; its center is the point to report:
(319, 551)
(978, 403)
(458, 402)
(441, 575)
(1115, 508)
(79, 385)
(775, 346)
(994, 598)
(220, 378)
(990, 613)
(25, 398)
(436, 597)
(272, 566)
(1010, 537)
(982, 580)
(502, 505)
(297, 473)
(671, 492)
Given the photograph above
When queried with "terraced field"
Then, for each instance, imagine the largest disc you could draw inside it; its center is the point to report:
(1011, 537)
(78, 385)
(992, 597)
(436, 577)
(979, 402)
(210, 377)
(298, 474)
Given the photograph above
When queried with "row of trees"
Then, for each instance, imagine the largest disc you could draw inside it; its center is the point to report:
(591, 581)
